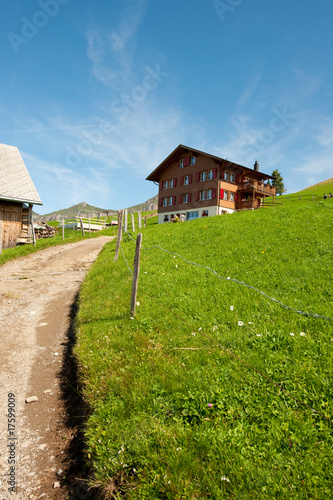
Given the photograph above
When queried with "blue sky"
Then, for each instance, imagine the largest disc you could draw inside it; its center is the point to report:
(95, 94)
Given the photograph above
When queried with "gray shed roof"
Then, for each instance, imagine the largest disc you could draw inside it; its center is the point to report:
(15, 181)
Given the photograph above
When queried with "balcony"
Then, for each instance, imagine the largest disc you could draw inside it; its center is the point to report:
(258, 187)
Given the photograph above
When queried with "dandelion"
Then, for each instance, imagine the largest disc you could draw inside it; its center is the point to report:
(231, 308)
(292, 334)
(240, 323)
(302, 334)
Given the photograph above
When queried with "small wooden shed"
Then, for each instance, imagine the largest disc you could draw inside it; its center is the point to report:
(17, 197)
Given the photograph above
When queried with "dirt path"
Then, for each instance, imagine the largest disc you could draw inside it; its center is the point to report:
(37, 294)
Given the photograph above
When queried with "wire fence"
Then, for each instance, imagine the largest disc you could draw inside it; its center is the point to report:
(235, 281)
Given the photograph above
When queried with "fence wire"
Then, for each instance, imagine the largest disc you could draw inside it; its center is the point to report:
(235, 281)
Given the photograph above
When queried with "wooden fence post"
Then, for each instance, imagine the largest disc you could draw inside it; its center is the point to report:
(144, 221)
(82, 228)
(136, 274)
(139, 217)
(0, 237)
(125, 225)
(33, 234)
(120, 220)
(133, 226)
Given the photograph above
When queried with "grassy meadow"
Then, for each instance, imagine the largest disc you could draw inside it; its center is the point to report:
(213, 390)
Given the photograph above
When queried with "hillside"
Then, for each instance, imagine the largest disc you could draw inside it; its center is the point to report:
(317, 189)
(221, 386)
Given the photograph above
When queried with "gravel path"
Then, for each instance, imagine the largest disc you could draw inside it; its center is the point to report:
(36, 298)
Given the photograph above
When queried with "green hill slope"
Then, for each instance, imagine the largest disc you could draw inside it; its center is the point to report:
(318, 189)
(222, 385)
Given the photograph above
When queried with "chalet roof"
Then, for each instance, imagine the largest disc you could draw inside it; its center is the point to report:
(15, 181)
(181, 149)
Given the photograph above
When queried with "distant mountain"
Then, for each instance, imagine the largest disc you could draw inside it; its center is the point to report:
(82, 208)
(87, 210)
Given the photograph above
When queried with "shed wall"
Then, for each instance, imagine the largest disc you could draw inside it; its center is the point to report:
(11, 223)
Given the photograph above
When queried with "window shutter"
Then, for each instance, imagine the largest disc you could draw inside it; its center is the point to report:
(190, 177)
(222, 174)
(213, 193)
(181, 180)
(161, 185)
(161, 202)
(174, 200)
(237, 179)
(221, 194)
(197, 196)
(197, 177)
(187, 161)
(174, 182)
(180, 198)
(214, 173)
(189, 197)
(236, 197)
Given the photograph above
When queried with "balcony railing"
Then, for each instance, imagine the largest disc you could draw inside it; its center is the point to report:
(259, 187)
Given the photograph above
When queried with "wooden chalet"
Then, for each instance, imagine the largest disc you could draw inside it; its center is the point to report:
(193, 184)
(17, 197)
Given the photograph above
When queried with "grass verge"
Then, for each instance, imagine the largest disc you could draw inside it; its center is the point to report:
(214, 390)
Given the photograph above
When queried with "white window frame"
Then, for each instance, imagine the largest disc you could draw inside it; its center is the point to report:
(165, 202)
(202, 195)
(202, 176)
(193, 160)
(165, 184)
(232, 196)
(185, 198)
(226, 175)
(171, 183)
(210, 174)
(225, 195)
(192, 215)
(181, 163)
(170, 201)
(232, 177)
(186, 180)
(209, 194)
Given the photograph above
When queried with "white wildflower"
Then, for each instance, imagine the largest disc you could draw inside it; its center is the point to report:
(302, 334)
(223, 478)
(240, 323)
(231, 308)
(292, 334)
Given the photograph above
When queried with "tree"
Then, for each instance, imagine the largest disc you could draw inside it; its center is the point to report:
(278, 182)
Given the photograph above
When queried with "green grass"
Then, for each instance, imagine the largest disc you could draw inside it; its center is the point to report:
(24, 250)
(185, 402)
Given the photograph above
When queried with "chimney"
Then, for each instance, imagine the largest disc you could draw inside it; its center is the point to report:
(256, 166)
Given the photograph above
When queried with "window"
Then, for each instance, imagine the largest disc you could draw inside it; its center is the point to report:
(232, 177)
(202, 176)
(185, 198)
(225, 195)
(209, 194)
(226, 175)
(210, 174)
(186, 180)
(166, 218)
(171, 183)
(193, 160)
(232, 196)
(205, 213)
(192, 215)
(165, 202)
(181, 163)
(202, 195)
(165, 185)
(170, 200)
